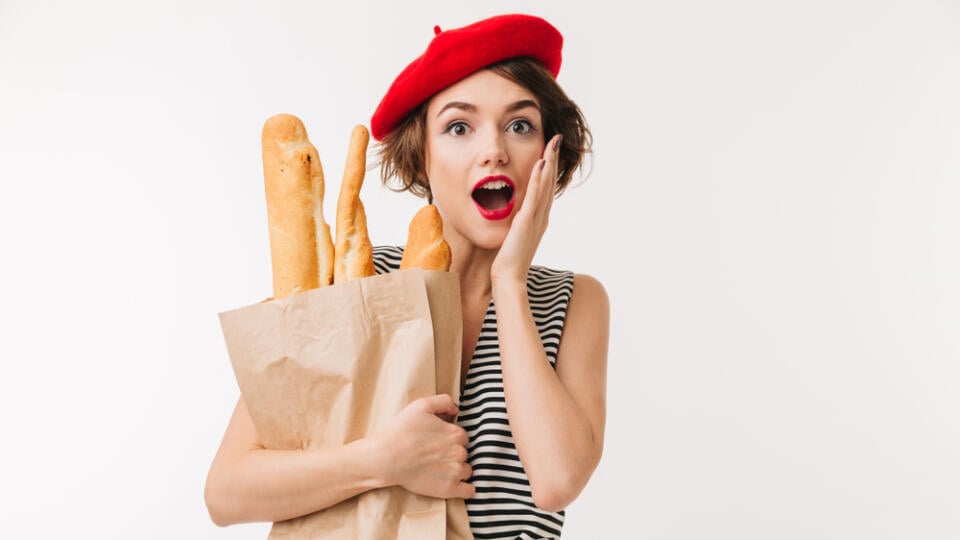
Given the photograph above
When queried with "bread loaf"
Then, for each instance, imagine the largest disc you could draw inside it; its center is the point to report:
(301, 248)
(426, 247)
(354, 252)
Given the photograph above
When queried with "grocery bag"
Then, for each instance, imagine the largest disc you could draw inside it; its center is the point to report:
(331, 365)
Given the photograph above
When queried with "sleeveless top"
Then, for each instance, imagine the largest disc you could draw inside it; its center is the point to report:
(503, 507)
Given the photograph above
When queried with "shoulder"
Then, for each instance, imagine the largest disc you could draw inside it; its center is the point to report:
(541, 277)
(589, 287)
(585, 287)
(386, 259)
(587, 332)
(589, 300)
(583, 295)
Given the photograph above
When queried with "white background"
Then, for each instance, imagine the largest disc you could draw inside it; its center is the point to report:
(773, 209)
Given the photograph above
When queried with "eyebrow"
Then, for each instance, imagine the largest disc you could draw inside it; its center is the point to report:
(469, 107)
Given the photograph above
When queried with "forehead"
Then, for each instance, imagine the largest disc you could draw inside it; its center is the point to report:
(484, 89)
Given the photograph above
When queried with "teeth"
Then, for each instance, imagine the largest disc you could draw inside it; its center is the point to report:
(496, 184)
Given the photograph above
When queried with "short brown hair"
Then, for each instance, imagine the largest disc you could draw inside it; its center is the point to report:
(402, 153)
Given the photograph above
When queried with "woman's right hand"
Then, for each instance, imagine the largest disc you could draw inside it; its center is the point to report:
(426, 454)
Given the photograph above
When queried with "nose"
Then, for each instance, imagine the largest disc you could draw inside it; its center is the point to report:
(494, 152)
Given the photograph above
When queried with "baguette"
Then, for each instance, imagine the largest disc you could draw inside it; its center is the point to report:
(354, 252)
(301, 247)
(426, 247)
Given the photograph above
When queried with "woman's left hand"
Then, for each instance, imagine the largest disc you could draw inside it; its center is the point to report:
(516, 254)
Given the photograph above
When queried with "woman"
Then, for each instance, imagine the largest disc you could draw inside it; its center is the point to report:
(478, 125)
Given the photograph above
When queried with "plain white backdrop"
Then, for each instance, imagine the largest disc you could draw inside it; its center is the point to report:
(773, 209)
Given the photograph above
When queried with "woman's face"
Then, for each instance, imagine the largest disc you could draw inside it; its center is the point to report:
(484, 136)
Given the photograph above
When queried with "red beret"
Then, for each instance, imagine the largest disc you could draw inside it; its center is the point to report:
(454, 54)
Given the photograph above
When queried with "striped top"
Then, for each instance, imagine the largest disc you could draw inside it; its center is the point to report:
(503, 506)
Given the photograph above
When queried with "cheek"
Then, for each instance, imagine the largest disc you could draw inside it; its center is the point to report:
(529, 151)
(439, 176)
(434, 160)
(537, 149)
(447, 167)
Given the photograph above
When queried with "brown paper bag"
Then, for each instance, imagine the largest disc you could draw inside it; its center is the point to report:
(335, 364)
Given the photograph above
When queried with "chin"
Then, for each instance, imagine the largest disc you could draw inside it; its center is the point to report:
(489, 240)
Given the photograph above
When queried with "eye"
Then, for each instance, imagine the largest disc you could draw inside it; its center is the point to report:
(521, 127)
(457, 128)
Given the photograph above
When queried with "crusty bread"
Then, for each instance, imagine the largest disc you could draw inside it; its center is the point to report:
(354, 252)
(426, 247)
(301, 249)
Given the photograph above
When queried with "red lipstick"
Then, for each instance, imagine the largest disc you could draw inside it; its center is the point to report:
(496, 214)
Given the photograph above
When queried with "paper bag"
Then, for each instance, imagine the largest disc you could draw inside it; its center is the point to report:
(331, 365)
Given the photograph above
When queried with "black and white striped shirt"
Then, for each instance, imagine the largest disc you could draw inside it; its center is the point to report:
(503, 507)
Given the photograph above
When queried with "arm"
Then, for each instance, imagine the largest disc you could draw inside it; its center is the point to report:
(419, 451)
(247, 482)
(557, 418)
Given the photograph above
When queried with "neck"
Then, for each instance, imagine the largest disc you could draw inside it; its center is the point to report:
(473, 265)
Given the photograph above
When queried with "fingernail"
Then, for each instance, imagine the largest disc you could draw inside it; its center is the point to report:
(556, 143)
(541, 164)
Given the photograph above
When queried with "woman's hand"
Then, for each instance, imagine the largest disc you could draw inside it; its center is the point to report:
(516, 254)
(425, 454)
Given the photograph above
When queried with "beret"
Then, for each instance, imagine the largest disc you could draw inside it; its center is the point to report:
(454, 54)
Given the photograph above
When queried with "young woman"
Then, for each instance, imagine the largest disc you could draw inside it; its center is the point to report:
(478, 125)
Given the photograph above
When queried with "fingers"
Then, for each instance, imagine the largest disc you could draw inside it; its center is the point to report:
(533, 190)
(440, 404)
(461, 437)
(464, 491)
(551, 168)
(543, 178)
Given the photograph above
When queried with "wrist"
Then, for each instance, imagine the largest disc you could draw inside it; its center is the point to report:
(508, 284)
(374, 460)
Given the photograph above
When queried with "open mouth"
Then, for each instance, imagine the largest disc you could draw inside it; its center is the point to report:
(494, 196)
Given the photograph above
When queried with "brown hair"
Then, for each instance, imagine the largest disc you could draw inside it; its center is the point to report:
(402, 153)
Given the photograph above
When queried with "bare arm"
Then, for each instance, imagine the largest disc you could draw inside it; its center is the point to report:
(557, 418)
(420, 452)
(250, 483)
